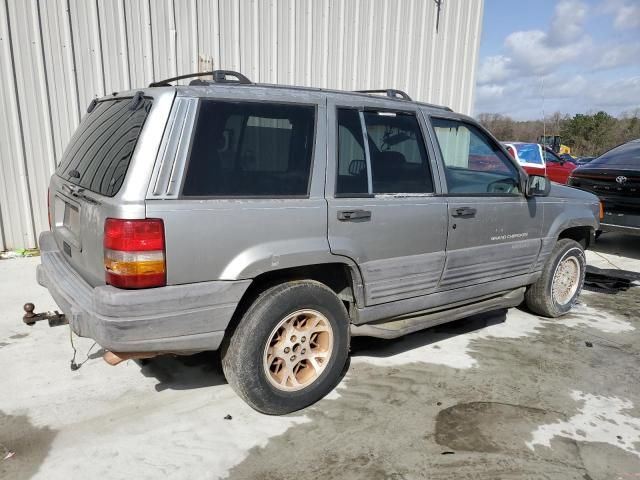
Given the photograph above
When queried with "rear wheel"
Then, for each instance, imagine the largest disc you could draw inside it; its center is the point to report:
(558, 288)
(289, 349)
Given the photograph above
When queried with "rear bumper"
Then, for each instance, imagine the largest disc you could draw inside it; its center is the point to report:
(609, 227)
(177, 318)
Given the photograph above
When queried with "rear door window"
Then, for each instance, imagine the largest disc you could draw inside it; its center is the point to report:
(245, 149)
(399, 162)
(99, 153)
(396, 152)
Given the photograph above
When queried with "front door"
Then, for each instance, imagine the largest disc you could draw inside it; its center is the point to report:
(494, 230)
(558, 170)
(382, 208)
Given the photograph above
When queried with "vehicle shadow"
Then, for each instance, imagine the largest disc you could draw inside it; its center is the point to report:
(184, 372)
(204, 369)
(618, 244)
(378, 347)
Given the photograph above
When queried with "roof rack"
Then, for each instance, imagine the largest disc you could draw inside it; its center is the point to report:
(389, 92)
(219, 76)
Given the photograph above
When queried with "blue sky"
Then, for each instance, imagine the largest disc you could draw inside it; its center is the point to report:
(581, 55)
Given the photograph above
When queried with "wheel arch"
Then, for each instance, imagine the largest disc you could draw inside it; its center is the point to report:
(583, 234)
(342, 276)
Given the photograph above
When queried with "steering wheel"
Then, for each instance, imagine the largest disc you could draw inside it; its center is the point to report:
(504, 185)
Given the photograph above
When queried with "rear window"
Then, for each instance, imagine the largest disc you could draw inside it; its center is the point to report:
(529, 153)
(622, 156)
(244, 149)
(98, 156)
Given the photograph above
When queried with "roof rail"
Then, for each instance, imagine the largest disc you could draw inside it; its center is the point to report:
(219, 76)
(389, 92)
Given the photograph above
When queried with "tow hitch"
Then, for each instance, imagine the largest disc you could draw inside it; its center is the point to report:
(54, 318)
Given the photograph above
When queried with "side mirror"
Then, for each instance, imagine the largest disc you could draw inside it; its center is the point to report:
(538, 186)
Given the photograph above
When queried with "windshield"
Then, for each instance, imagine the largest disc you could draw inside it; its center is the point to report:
(623, 156)
(98, 155)
(529, 153)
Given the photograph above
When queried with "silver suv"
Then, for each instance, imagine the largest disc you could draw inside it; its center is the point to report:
(274, 223)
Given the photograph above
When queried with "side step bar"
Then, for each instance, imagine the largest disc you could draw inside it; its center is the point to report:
(395, 328)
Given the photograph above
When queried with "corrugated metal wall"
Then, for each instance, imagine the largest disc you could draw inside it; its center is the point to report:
(56, 55)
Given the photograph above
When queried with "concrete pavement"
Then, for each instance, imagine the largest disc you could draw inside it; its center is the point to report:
(501, 395)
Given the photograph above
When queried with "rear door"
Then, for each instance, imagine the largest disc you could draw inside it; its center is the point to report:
(383, 211)
(494, 230)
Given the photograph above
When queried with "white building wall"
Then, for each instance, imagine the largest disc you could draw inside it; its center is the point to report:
(56, 55)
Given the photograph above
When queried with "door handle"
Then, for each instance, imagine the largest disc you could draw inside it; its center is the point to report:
(464, 212)
(348, 215)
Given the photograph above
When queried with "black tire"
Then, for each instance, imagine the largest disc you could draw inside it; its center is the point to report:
(539, 296)
(243, 353)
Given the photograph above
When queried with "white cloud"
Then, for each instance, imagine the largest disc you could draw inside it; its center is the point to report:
(494, 69)
(567, 25)
(532, 52)
(623, 93)
(522, 98)
(579, 73)
(626, 13)
(538, 52)
(612, 56)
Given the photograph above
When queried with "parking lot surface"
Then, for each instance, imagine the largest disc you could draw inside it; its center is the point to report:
(500, 395)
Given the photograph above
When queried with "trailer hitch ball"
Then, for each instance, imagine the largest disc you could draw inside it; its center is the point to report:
(29, 315)
(54, 318)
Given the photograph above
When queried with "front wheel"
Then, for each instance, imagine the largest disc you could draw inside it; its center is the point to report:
(557, 289)
(289, 349)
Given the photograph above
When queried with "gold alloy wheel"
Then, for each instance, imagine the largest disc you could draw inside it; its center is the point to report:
(566, 280)
(298, 350)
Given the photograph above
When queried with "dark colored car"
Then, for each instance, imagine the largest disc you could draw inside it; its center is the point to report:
(585, 160)
(615, 178)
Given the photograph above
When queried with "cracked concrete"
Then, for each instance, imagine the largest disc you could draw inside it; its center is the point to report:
(500, 395)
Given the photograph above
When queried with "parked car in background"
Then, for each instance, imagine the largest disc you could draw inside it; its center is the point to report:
(567, 157)
(585, 160)
(528, 155)
(615, 178)
(558, 169)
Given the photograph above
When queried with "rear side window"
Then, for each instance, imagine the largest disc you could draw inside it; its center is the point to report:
(98, 156)
(396, 152)
(243, 149)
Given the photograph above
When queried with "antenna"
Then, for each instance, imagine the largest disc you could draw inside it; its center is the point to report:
(544, 120)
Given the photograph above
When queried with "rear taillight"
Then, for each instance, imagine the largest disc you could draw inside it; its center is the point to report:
(134, 253)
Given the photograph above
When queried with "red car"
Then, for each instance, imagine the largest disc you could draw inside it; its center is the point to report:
(558, 169)
(536, 159)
